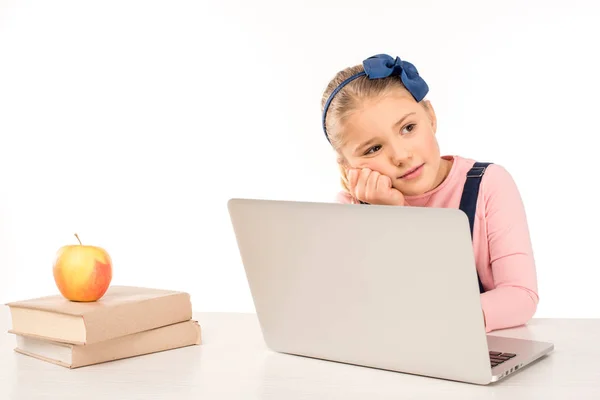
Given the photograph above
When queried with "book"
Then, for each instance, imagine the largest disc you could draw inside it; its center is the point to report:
(155, 340)
(123, 310)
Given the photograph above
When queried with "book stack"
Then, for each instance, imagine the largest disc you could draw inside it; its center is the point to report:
(126, 322)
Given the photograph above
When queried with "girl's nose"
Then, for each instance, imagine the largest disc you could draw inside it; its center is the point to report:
(400, 153)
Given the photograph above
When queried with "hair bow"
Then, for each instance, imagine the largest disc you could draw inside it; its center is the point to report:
(383, 65)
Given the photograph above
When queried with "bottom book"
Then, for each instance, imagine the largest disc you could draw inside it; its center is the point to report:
(168, 337)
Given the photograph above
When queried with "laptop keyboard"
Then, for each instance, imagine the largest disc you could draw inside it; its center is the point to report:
(497, 358)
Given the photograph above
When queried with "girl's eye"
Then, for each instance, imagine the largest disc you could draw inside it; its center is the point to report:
(409, 127)
(373, 149)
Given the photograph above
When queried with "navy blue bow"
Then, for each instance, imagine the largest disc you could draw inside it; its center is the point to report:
(382, 66)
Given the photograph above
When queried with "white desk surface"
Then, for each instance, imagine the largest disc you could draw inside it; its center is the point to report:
(234, 363)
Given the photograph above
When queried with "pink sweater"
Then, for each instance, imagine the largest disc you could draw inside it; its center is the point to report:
(501, 242)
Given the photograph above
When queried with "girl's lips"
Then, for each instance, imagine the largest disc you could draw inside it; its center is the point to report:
(413, 173)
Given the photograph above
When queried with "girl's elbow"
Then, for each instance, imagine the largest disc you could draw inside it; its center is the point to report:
(530, 305)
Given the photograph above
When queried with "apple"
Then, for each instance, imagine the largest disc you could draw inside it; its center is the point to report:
(82, 272)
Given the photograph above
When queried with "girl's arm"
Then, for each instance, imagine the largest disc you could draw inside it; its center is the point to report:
(514, 299)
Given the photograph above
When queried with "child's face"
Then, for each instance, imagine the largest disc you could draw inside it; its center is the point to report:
(393, 134)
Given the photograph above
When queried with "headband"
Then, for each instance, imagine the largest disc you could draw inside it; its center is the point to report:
(383, 66)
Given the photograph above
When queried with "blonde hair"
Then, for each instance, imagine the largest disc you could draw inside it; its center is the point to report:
(346, 101)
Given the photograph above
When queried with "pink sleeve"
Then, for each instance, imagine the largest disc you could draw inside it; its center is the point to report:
(345, 198)
(514, 299)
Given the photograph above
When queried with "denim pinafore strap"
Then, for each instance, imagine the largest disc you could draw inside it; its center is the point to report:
(468, 201)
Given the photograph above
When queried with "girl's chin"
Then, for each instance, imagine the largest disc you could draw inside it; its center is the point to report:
(415, 189)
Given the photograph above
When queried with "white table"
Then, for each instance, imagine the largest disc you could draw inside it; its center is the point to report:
(233, 363)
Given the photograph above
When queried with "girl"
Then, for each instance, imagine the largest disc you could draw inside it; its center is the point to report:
(384, 132)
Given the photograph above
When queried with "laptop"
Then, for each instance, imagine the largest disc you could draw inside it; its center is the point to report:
(392, 288)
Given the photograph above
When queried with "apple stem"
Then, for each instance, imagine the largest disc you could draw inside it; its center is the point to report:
(78, 239)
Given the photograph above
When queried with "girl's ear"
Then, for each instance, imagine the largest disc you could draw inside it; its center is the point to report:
(431, 114)
(342, 162)
(343, 166)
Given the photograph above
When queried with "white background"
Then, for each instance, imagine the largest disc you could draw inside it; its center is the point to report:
(133, 122)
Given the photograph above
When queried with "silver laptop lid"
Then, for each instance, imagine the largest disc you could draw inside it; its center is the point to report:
(386, 287)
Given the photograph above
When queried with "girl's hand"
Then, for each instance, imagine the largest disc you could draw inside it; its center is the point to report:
(373, 188)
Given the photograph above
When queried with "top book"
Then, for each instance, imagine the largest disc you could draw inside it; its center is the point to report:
(123, 310)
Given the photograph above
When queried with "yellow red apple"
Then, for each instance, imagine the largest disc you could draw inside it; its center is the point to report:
(82, 272)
